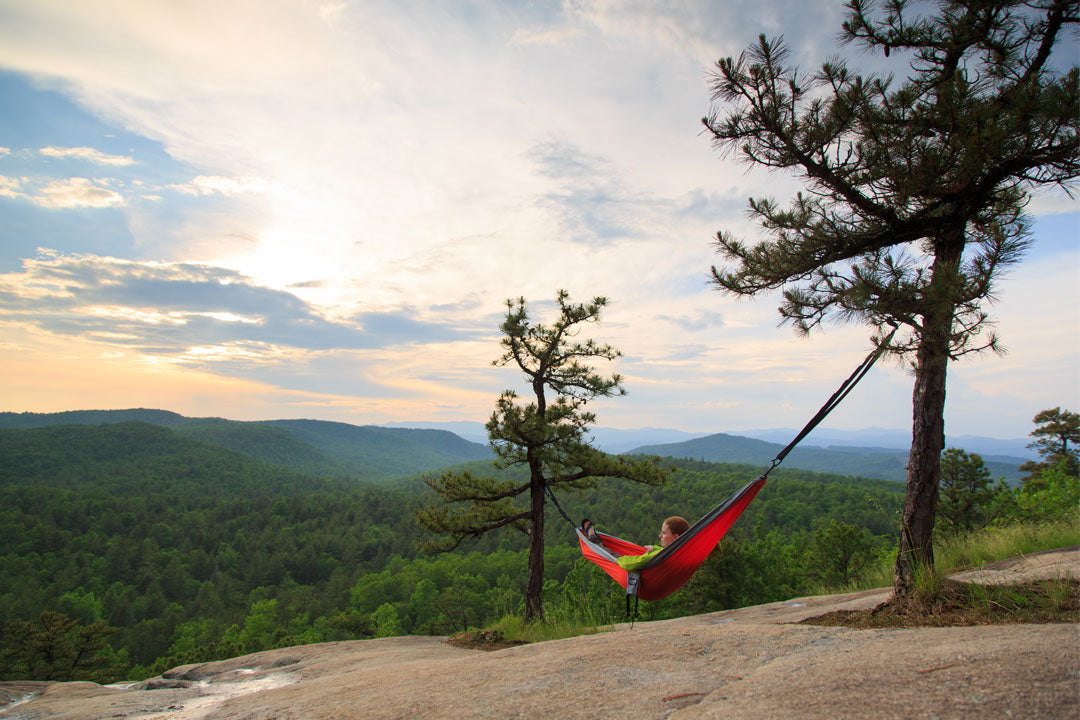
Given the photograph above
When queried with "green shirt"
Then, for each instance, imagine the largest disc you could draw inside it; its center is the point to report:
(634, 562)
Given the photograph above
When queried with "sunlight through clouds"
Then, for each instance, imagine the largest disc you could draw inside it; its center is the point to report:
(326, 203)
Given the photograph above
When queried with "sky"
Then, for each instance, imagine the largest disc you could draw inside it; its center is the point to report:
(278, 209)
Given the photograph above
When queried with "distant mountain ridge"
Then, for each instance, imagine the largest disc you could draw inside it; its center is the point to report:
(373, 452)
(619, 440)
(884, 463)
(610, 440)
(896, 439)
(311, 447)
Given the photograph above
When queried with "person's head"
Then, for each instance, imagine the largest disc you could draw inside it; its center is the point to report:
(672, 528)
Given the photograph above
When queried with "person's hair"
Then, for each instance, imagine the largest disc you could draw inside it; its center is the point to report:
(677, 525)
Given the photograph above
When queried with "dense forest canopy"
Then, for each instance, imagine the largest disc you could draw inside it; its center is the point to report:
(183, 546)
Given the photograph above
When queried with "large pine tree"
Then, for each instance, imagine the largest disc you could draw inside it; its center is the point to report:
(914, 190)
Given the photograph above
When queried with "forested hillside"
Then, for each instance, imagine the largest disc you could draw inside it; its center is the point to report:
(312, 447)
(191, 551)
(141, 528)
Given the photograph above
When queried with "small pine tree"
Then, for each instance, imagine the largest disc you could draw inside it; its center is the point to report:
(1056, 428)
(966, 493)
(55, 647)
(548, 439)
(839, 552)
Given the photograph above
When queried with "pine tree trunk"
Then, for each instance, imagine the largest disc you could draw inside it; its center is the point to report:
(928, 422)
(534, 589)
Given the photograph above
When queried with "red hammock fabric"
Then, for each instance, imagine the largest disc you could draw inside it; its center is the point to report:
(675, 564)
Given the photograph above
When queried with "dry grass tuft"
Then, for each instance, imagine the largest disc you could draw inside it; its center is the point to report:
(482, 640)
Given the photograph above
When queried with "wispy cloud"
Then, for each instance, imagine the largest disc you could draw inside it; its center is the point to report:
(77, 192)
(593, 206)
(9, 187)
(701, 320)
(192, 313)
(88, 154)
(554, 37)
(229, 186)
(66, 193)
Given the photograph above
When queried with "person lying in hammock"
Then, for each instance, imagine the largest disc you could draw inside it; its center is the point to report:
(672, 528)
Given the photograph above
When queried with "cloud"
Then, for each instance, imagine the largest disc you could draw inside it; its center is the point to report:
(593, 206)
(702, 31)
(560, 159)
(9, 187)
(4, 151)
(88, 154)
(229, 186)
(324, 130)
(331, 11)
(1054, 200)
(701, 320)
(77, 192)
(193, 314)
(401, 326)
(552, 37)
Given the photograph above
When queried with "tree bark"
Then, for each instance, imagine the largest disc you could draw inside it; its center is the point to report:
(534, 589)
(928, 421)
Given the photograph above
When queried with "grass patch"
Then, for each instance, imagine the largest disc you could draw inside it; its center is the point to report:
(936, 601)
(1000, 542)
(955, 553)
(511, 630)
(947, 603)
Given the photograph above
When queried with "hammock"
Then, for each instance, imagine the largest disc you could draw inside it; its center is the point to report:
(674, 565)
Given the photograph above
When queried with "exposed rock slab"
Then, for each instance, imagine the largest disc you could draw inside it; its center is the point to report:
(745, 663)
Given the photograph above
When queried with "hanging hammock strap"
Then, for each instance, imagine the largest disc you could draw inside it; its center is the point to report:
(551, 494)
(835, 400)
(632, 615)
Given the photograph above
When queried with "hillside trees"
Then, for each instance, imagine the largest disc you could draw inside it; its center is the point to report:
(1056, 428)
(914, 190)
(55, 647)
(839, 551)
(966, 494)
(547, 438)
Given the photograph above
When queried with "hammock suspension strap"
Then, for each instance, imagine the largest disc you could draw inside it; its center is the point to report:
(551, 494)
(828, 407)
(836, 399)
